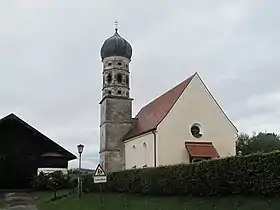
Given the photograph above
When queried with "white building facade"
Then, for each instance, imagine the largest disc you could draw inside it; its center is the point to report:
(194, 128)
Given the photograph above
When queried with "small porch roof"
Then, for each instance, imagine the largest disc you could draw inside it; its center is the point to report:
(201, 149)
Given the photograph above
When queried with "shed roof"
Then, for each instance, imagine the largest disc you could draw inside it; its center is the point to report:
(13, 117)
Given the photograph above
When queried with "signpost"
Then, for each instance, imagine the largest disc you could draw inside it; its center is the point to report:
(99, 177)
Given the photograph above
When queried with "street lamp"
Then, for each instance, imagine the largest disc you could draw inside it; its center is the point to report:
(80, 148)
(80, 151)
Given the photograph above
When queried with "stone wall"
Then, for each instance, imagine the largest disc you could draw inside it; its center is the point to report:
(115, 122)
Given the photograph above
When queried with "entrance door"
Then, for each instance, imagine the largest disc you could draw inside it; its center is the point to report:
(198, 159)
(3, 169)
(18, 172)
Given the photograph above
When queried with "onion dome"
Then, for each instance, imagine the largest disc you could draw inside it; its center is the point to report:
(116, 46)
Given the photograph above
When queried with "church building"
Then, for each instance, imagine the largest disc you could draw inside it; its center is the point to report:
(183, 125)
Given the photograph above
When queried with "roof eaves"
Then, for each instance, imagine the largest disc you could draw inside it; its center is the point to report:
(128, 137)
(190, 79)
(15, 117)
(218, 104)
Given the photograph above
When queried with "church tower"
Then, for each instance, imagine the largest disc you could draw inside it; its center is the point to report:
(116, 104)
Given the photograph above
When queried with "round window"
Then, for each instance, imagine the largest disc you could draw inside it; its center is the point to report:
(196, 131)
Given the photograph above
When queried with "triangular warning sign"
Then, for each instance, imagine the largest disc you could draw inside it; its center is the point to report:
(99, 171)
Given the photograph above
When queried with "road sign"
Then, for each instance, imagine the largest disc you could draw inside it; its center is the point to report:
(99, 175)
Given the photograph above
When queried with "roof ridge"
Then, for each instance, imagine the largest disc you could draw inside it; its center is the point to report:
(168, 91)
(29, 126)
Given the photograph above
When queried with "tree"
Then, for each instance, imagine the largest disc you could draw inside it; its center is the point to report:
(261, 142)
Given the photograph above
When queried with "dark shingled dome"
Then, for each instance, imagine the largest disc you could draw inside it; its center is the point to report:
(116, 46)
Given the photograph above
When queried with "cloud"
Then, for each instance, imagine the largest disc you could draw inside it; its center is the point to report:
(51, 68)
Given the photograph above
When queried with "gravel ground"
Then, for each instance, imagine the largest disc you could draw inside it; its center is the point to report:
(18, 201)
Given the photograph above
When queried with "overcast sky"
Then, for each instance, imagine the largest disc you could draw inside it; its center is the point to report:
(51, 68)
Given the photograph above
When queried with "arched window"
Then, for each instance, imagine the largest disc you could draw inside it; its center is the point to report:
(119, 78)
(109, 78)
(127, 80)
(145, 151)
(133, 157)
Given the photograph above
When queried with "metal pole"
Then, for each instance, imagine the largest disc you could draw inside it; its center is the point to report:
(79, 177)
(100, 190)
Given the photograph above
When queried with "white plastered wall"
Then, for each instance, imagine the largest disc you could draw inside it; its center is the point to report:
(136, 154)
(195, 105)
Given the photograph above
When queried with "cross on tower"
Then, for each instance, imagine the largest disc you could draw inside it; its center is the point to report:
(116, 24)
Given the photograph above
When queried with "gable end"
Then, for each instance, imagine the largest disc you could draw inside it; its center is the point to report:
(216, 102)
(151, 115)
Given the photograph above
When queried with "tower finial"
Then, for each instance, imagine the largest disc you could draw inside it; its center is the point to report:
(116, 24)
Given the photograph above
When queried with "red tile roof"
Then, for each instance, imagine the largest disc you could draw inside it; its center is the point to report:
(201, 149)
(150, 116)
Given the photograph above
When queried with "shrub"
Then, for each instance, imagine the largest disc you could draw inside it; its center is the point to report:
(88, 185)
(51, 181)
(40, 182)
(256, 174)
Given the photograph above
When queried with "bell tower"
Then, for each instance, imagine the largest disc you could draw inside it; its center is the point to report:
(116, 104)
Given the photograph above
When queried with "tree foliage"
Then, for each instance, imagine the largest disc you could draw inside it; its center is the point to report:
(257, 143)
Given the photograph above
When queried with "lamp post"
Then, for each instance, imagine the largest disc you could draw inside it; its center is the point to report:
(80, 151)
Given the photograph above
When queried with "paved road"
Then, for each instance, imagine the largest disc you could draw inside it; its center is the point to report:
(18, 201)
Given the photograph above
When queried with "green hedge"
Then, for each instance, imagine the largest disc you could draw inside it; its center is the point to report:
(257, 174)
